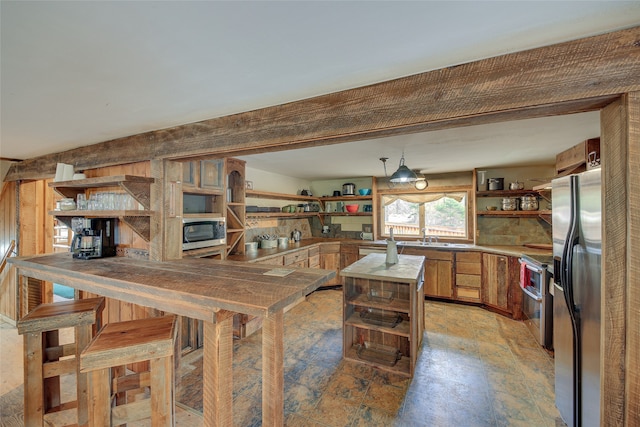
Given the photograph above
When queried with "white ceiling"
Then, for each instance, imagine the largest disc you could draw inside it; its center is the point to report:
(78, 73)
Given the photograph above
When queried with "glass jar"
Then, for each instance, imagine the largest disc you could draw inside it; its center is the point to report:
(67, 204)
(510, 204)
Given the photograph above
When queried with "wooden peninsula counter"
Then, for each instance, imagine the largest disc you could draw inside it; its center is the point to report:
(384, 312)
(203, 289)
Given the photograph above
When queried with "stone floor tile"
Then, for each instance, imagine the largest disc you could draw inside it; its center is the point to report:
(385, 397)
(374, 417)
(475, 368)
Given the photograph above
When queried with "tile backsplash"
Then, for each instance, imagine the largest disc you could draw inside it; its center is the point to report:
(512, 231)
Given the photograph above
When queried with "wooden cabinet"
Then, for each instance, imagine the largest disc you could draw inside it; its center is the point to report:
(297, 259)
(500, 284)
(578, 156)
(314, 257)
(330, 260)
(496, 291)
(384, 312)
(438, 273)
(207, 175)
(348, 254)
(468, 275)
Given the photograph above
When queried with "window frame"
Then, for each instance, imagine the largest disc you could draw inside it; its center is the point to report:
(470, 220)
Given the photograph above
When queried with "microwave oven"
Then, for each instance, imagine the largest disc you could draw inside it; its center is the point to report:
(203, 232)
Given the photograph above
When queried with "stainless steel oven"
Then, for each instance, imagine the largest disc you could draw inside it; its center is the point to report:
(537, 305)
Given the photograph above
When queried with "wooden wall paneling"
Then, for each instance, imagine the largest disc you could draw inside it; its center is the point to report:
(27, 232)
(620, 350)
(8, 227)
(564, 78)
(166, 202)
(33, 200)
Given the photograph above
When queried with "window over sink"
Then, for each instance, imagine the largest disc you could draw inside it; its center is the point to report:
(440, 214)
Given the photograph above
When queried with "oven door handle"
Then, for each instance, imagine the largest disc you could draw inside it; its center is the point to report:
(530, 267)
(537, 298)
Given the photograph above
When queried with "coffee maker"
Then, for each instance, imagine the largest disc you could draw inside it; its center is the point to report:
(94, 237)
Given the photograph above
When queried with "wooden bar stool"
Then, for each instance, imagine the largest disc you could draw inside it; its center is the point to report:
(117, 344)
(42, 353)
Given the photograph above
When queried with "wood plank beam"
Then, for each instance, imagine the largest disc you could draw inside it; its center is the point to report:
(620, 361)
(558, 79)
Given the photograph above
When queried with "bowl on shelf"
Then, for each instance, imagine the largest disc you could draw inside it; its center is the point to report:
(492, 208)
(364, 191)
(351, 208)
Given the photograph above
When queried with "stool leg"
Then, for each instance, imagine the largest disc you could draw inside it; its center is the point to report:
(83, 335)
(100, 397)
(33, 387)
(162, 392)
(51, 385)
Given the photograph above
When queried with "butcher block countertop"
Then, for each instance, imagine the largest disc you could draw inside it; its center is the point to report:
(373, 266)
(188, 287)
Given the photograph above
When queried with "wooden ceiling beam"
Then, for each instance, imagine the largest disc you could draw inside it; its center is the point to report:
(562, 78)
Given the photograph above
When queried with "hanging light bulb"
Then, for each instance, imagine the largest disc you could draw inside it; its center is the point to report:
(421, 182)
(403, 174)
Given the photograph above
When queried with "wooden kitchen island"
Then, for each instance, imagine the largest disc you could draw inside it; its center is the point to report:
(384, 312)
(208, 290)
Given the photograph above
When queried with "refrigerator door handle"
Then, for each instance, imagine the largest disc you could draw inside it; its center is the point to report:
(567, 252)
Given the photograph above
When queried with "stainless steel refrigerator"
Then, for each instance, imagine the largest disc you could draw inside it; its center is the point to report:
(577, 249)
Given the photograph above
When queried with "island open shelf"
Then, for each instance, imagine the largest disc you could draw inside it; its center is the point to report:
(384, 312)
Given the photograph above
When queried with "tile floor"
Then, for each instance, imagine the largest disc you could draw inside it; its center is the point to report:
(476, 368)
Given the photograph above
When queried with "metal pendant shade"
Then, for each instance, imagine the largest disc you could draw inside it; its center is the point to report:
(403, 174)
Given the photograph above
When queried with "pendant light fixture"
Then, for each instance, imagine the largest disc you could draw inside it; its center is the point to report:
(403, 174)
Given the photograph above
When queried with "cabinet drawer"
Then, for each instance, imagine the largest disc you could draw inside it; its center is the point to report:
(313, 251)
(469, 257)
(330, 248)
(468, 280)
(439, 255)
(468, 268)
(314, 261)
(299, 264)
(469, 294)
(276, 260)
(296, 257)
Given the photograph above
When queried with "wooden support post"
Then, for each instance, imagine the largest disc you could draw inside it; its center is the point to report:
(273, 370)
(217, 381)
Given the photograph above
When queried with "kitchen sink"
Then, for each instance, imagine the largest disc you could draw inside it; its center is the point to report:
(421, 244)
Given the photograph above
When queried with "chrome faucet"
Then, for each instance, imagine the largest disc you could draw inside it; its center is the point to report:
(428, 239)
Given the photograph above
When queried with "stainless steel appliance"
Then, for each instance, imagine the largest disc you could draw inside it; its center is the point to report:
(93, 238)
(348, 189)
(203, 232)
(537, 305)
(577, 248)
(495, 183)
